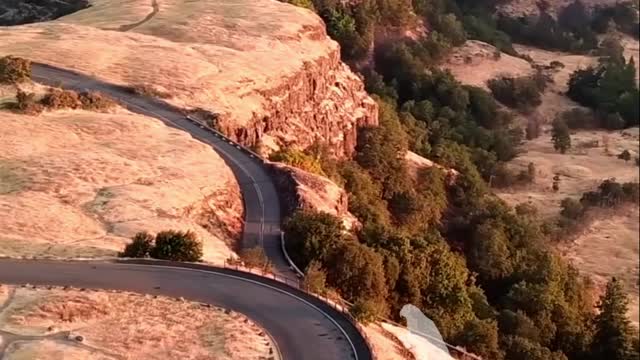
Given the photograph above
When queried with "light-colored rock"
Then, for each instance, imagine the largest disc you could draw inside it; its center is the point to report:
(300, 189)
(80, 184)
(262, 65)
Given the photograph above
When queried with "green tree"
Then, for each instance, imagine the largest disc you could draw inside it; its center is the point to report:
(177, 246)
(311, 235)
(139, 247)
(613, 338)
(357, 272)
(480, 337)
(560, 136)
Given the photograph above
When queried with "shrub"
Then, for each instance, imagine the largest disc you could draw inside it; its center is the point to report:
(560, 136)
(61, 99)
(26, 103)
(95, 101)
(255, 258)
(14, 70)
(571, 208)
(625, 155)
(315, 279)
(177, 246)
(299, 159)
(365, 311)
(522, 93)
(148, 90)
(140, 246)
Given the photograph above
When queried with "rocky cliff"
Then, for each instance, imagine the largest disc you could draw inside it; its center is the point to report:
(323, 102)
(263, 67)
(301, 190)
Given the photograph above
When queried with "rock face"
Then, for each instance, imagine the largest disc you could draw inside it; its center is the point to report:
(262, 66)
(324, 102)
(17, 12)
(299, 189)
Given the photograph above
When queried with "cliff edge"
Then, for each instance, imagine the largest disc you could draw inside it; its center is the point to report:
(263, 67)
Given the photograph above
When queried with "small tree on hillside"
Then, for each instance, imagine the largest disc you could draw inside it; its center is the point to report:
(560, 136)
(177, 246)
(625, 155)
(613, 338)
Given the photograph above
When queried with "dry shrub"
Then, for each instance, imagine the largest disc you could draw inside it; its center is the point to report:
(95, 101)
(61, 99)
(148, 90)
(14, 70)
(26, 103)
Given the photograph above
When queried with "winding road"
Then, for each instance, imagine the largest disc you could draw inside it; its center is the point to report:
(302, 326)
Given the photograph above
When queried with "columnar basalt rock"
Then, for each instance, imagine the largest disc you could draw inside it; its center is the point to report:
(324, 101)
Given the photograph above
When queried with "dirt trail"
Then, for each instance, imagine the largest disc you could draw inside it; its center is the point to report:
(154, 11)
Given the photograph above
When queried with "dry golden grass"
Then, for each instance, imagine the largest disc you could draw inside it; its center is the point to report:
(609, 247)
(79, 184)
(580, 170)
(218, 55)
(128, 326)
(474, 64)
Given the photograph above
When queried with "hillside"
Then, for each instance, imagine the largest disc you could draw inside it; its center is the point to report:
(78, 324)
(80, 184)
(261, 66)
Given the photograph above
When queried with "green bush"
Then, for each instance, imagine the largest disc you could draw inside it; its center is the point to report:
(298, 159)
(177, 246)
(14, 70)
(26, 103)
(140, 246)
(522, 93)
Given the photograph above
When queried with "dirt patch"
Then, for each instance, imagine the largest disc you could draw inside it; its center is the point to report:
(120, 325)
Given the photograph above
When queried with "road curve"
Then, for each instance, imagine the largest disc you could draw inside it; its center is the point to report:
(302, 326)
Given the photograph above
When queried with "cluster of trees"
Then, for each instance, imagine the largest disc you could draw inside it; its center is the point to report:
(165, 245)
(575, 29)
(522, 93)
(610, 89)
(481, 270)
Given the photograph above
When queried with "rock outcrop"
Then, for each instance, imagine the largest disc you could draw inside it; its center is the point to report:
(262, 66)
(301, 190)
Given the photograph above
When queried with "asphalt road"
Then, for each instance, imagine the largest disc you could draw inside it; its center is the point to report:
(303, 327)
(261, 204)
